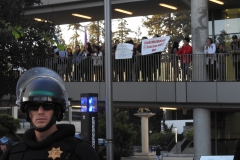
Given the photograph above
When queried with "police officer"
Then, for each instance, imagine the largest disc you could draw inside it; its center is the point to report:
(5, 143)
(42, 96)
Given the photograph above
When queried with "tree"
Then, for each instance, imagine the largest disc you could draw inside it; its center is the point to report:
(96, 32)
(23, 41)
(176, 25)
(124, 133)
(59, 37)
(74, 40)
(161, 138)
(189, 135)
(122, 31)
(9, 126)
(138, 35)
(222, 37)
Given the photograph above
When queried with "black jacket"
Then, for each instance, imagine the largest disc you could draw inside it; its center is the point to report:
(60, 145)
(237, 152)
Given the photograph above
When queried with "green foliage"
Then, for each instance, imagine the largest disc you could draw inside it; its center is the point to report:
(9, 126)
(162, 138)
(189, 135)
(124, 133)
(166, 128)
(176, 25)
(23, 41)
(122, 31)
(96, 32)
(75, 38)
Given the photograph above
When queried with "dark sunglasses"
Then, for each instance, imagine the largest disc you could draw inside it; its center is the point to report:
(35, 106)
(2, 144)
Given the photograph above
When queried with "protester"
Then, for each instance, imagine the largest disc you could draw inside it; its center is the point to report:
(143, 61)
(185, 58)
(76, 61)
(210, 50)
(235, 51)
(221, 60)
(5, 143)
(42, 97)
(174, 60)
(158, 152)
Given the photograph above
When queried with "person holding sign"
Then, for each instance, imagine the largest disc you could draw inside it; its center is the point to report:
(185, 58)
(143, 62)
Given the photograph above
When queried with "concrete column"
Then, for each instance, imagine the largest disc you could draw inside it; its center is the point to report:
(202, 132)
(144, 130)
(199, 24)
(15, 112)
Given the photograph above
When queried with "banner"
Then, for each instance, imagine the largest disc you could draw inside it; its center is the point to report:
(124, 51)
(153, 45)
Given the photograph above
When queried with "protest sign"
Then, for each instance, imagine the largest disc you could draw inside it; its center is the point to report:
(124, 51)
(153, 45)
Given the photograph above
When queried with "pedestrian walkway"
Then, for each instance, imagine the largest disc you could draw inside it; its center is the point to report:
(153, 157)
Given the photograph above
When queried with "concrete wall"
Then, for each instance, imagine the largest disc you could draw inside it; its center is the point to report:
(178, 94)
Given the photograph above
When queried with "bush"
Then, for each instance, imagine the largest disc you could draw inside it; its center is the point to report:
(162, 138)
(189, 135)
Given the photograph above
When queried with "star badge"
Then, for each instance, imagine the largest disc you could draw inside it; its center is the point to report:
(54, 153)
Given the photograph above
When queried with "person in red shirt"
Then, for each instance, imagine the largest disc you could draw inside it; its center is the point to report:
(185, 57)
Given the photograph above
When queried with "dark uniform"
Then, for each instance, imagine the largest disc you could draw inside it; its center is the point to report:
(60, 145)
(42, 87)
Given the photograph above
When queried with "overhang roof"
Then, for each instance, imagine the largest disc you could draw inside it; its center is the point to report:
(61, 11)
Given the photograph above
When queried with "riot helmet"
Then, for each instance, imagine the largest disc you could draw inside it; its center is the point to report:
(6, 141)
(42, 86)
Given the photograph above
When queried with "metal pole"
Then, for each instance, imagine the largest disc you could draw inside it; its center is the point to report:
(108, 80)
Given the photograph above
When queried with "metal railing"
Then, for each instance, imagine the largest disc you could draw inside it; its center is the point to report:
(165, 68)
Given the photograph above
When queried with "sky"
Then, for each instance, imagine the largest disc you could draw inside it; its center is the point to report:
(131, 24)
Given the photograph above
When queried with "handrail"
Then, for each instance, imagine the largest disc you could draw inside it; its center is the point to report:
(163, 68)
(171, 144)
(184, 145)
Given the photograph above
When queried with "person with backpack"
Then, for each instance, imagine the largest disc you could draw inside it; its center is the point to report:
(158, 152)
(235, 51)
(42, 97)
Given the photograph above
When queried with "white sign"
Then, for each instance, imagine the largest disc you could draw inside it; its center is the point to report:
(124, 51)
(216, 158)
(153, 45)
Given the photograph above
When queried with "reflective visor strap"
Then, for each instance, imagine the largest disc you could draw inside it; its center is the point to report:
(46, 93)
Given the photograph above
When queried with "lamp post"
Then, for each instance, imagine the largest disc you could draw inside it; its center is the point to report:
(150, 132)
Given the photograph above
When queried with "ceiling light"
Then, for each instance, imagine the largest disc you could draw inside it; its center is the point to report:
(41, 20)
(123, 11)
(81, 16)
(168, 108)
(168, 6)
(217, 1)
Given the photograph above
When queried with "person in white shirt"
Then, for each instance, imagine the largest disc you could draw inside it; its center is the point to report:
(210, 50)
(97, 63)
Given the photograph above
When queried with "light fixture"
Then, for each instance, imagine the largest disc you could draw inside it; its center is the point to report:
(168, 108)
(81, 16)
(217, 1)
(41, 20)
(123, 11)
(168, 6)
